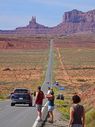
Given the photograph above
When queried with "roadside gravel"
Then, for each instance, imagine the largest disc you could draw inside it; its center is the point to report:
(58, 120)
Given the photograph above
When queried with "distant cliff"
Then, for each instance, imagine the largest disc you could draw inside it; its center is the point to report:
(76, 21)
(73, 22)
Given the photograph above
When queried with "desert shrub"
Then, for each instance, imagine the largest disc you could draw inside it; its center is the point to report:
(2, 96)
(81, 80)
(63, 107)
(90, 118)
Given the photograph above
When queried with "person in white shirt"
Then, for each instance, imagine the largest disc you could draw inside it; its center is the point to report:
(49, 90)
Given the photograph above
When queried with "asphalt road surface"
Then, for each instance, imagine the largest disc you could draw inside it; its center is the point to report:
(22, 115)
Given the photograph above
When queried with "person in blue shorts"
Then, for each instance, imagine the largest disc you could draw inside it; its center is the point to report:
(51, 98)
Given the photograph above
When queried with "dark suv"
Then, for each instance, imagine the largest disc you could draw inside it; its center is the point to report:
(21, 96)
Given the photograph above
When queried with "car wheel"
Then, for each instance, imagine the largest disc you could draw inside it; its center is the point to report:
(12, 104)
(30, 104)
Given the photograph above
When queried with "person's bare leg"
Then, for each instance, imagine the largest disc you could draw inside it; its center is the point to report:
(52, 116)
(40, 114)
(48, 115)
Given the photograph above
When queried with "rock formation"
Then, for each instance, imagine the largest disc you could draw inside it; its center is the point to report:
(73, 22)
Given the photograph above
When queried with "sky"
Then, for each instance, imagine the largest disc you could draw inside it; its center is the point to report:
(18, 13)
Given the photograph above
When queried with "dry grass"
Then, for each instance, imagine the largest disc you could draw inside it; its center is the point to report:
(23, 61)
(77, 60)
(75, 66)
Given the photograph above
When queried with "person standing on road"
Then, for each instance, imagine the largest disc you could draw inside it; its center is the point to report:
(51, 98)
(49, 90)
(77, 114)
(38, 102)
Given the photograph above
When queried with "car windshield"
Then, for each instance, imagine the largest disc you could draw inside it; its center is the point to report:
(21, 91)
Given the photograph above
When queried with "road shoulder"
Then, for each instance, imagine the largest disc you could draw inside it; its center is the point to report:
(58, 120)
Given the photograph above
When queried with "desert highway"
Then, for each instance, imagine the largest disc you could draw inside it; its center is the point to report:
(22, 115)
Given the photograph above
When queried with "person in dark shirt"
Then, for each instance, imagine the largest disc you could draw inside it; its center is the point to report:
(77, 113)
(38, 102)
